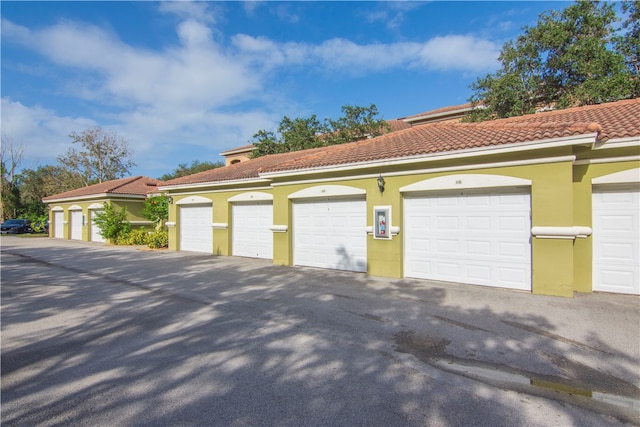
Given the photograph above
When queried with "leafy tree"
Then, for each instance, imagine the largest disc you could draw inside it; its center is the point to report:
(195, 167)
(35, 184)
(156, 209)
(294, 135)
(113, 224)
(31, 193)
(303, 133)
(357, 123)
(566, 60)
(10, 159)
(628, 44)
(104, 156)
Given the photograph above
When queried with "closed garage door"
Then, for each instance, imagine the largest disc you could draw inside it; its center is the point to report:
(470, 237)
(252, 236)
(76, 225)
(96, 236)
(616, 241)
(330, 233)
(195, 228)
(58, 225)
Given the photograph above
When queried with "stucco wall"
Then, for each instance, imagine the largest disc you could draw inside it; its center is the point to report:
(560, 197)
(583, 210)
(133, 206)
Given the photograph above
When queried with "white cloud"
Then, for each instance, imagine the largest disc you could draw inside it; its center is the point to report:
(196, 74)
(182, 95)
(462, 53)
(391, 14)
(43, 134)
(198, 10)
(448, 53)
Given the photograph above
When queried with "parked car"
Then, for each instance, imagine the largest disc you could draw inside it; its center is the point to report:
(15, 226)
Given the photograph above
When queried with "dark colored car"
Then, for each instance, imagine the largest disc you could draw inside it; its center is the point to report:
(15, 226)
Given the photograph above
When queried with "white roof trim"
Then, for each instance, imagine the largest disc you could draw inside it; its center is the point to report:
(251, 196)
(465, 181)
(327, 191)
(630, 141)
(214, 184)
(110, 196)
(630, 176)
(194, 200)
(606, 160)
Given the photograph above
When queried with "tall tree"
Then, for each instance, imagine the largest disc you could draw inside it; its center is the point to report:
(196, 166)
(567, 59)
(103, 156)
(43, 181)
(302, 133)
(10, 159)
(356, 123)
(292, 135)
(628, 44)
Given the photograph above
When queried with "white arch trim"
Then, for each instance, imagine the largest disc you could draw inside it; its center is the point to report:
(96, 206)
(251, 196)
(75, 208)
(194, 200)
(465, 181)
(631, 176)
(57, 209)
(327, 191)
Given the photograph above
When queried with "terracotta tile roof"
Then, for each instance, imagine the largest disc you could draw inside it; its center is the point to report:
(137, 185)
(396, 125)
(611, 120)
(244, 170)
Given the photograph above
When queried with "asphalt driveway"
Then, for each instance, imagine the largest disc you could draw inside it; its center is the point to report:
(98, 335)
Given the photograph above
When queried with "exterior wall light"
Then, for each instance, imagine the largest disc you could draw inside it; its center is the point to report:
(381, 184)
(170, 200)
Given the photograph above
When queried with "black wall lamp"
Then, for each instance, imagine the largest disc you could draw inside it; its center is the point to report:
(381, 183)
(170, 200)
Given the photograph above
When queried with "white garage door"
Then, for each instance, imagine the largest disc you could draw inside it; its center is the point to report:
(252, 236)
(470, 237)
(76, 225)
(616, 241)
(96, 236)
(330, 233)
(195, 228)
(58, 225)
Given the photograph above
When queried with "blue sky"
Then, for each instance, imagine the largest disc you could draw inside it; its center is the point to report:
(183, 81)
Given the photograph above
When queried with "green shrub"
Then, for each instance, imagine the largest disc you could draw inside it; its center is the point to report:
(113, 224)
(156, 209)
(158, 239)
(139, 236)
(38, 222)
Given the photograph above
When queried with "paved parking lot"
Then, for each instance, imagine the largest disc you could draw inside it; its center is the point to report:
(98, 335)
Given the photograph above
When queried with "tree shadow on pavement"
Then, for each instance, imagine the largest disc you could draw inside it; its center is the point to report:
(99, 335)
